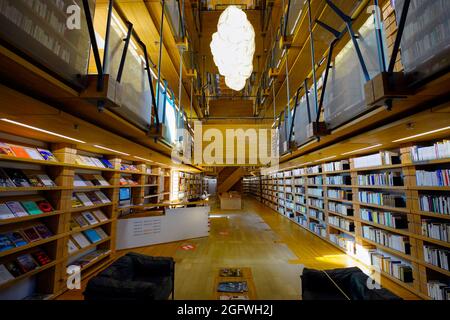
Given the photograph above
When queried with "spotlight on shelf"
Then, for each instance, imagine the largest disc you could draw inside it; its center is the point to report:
(362, 149)
(112, 150)
(41, 130)
(422, 134)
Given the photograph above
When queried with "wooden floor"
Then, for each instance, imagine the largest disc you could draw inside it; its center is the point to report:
(255, 237)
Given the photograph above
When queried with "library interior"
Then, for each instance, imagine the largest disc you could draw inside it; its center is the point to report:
(224, 150)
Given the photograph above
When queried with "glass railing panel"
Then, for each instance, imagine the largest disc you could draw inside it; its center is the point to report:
(303, 117)
(294, 14)
(174, 18)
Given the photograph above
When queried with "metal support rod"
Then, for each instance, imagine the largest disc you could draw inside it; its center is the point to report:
(98, 62)
(348, 23)
(150, 82)
(286, 19)
(273, 102)
(380, 45)
(125, 51)
(331, 30)
(192, 98)
(107, 36)
(181, 10)
(164, 102)
(313, 53)
(398, 39)
(180, 85)
(288, 88)
(325, 79)
(161, 38)
(308, 107)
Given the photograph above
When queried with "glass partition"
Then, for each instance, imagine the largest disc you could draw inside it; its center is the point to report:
(344, 98)
(425, 46)
(43, 31)
(304, 116)
(293, 16)
(173, 13)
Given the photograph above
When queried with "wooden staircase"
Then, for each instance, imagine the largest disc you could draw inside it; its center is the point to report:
(229, 177)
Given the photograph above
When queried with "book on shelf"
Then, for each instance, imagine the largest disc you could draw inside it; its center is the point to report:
(104, 199)
(80, 220)
(437, 178)
(436, 230)
(437, 256)
(26, 263)
(440, 150)
(5, 181)
(93, 197)
(47, 155)
(90, 257)
(84, 199)
(5, 149)
(393, 266)
(381, 179)
(5, 212)
(230, 272)
(100, 215)
(107, 163)
(103, 235)
(234, 297)
(92, 235)
(78, 181)
(232, 286)
(382, 199)
(13, 268)
(435, 203)
(5, 275)
(5, 243)
(43, 231)
(71, 246)
(33, 153)
(89, 217)
(383, 158)
(17, 208)
(76, 203)
(41, 257)
(389, 219)
(439, 289)
(31, 207)
(31, 234)
(16, 238)
(17, 177)
(20, 152)
(80, 240)
(387, 239)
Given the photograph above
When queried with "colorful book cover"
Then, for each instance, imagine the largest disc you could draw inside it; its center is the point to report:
(81, 240)
(99, 178)
(101, 233)
(45, 206)
(92, 235)
(20, 152)
(17, 208)
(73, 224)
(84, 199)
(41, 257)
(71, 246)
(5, 243)
(47, 155)
(233, 286)
(5, 181)
(43, 231)
(76, 203)
(100, 215)
(5, 212)
(17, 239)
(33, 153)
(5, 149)
(31, 207)
(80, 220)
(46, 181)
(31, 234)
(89, 218)
(102, 197)
(93, 197)
(26, 263)
(107, 163)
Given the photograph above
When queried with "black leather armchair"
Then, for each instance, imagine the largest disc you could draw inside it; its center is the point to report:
(341, 284)
(134, 277)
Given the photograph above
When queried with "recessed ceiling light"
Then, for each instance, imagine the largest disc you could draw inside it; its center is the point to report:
(42, 130)
(363, 149)
(112, 150)
(422, 134)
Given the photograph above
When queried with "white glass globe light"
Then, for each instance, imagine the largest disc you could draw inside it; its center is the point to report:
(233, 47)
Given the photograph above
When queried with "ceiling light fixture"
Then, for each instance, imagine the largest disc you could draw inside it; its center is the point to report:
(143, 159)
(41, 130)
(112, 150)
(422, 134)
(362, 149)
(324, 159)
(233, 47)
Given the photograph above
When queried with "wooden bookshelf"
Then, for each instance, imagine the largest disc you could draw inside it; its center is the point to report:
(303, 179)
(51, 278)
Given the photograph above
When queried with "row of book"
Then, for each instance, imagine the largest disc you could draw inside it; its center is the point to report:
(90, 258)
(438, 178)
(299, 172)
(435, 203)
(381, 179)
(339, 194)
(16, 178)
(436, 256)
(23, 236)
(314, 170)
(342, 208)
(318, 229)
(317, 214)
(317, 180)
(436, 230)
(439, 290)
(386, 218)
(338, 180)
(439, 150)
(382, 199)
(301, 220)
(319, 203)
(26, 152)
(336, 166)
(88, 180)
(87, 199)
(127, 181)
(300, 199)
(24, 208)
(299, 190)
(317, 192)
(387, 239)
(102, 163)
(300, 209)
(23, 264)
(341, 223)
(87, 218)
(81, 240)
(344, 241)
(299, 181)
(383, 158)
(393, 266)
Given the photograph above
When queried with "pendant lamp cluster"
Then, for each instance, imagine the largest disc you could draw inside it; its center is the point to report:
(233, 47)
